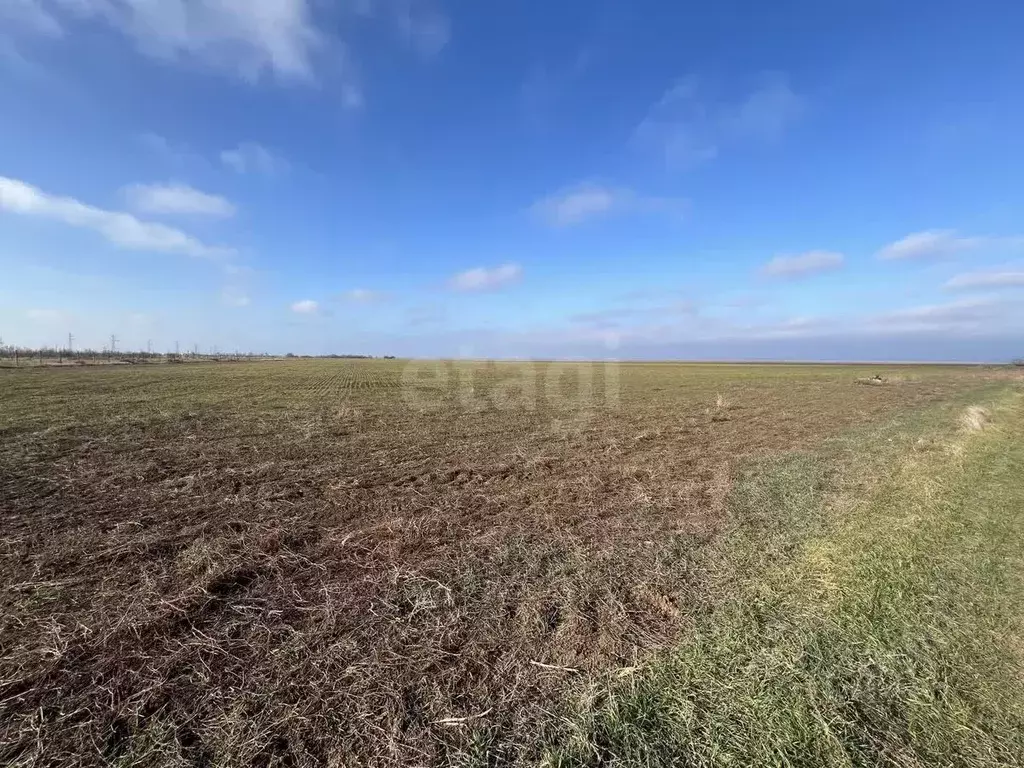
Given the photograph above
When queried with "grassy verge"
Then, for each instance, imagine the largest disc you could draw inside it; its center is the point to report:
(890, 634)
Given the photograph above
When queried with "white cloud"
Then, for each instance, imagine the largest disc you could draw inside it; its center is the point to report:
(246, 38)
(290, 40)
(766, 112)
(172, 153)
(969, 317)
(249, 157)
(306, 307)
(589, 200)
(157, 143)
(575, 206)
(965, 314)
(177, 198)
(484, 279)
(121, 229)
(363, 296)
(179, 155)
(932, 243)
(797, 326)
(810, 263)
(32, 15)
(689, 129)
(942, 243)
(995, 279)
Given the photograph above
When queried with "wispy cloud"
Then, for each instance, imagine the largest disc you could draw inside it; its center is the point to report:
(991, 279)
(605, 318)
(292, 41)
(175, 154)
(237, 284)
(121, 229)
(421, 23)
(424, 27)
(794, 327)
(32, 15)
(486, 279)
(245, 39)
(306, 307)
(427, 314)
(766, 112)
(576, 206)
(689, 128)
(589, 200)
(972, 313)
(624, 318)
(177, 199)
(250, 157)
(803, 264)
(968, 317)
(930, 244)
(234, 296)
(547, 85)
(48, 316)
(944, 243)
(363, 296)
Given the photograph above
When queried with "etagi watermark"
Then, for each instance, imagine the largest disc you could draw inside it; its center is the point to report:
(471, 386)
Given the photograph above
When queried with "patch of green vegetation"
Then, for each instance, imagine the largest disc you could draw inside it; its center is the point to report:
(854, 629)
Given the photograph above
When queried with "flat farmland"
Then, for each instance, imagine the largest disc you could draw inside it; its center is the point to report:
(376, 562)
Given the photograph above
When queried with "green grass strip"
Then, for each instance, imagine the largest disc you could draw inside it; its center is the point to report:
(890, 635)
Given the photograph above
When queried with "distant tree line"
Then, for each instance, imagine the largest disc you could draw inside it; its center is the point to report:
(49, 355)
(54, 353)
(24, 355)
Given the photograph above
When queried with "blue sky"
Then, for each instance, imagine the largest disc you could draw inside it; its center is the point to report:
(806, 180)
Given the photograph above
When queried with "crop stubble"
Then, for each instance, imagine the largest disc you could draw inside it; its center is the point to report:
(364, 562)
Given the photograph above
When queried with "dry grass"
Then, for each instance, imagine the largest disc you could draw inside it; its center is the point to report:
(974, 418)
(359, 563)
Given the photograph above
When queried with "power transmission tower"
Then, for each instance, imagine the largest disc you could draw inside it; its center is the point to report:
(149, 346)
(71, 343)
(113, 343)
(177, 349)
